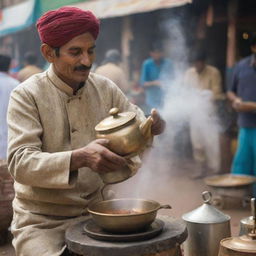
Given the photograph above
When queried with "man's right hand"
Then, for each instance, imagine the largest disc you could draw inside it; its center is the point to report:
(97, 157)
(237, 103)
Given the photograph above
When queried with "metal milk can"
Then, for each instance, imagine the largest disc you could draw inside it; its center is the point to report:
(247, 224)
(207, 226)
(244, 245)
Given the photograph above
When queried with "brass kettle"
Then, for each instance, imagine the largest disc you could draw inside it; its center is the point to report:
(244, 245)
(127, 135)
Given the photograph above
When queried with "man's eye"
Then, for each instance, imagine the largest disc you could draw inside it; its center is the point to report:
(75, 53)
(91, 51)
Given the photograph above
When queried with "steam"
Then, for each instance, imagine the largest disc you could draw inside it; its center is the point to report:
(185, 107)
(189, 106)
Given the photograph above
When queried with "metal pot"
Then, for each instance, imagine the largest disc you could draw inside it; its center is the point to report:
(206, 227)
(127, 135)
(244, 245)
(125, 215)
(231, 190)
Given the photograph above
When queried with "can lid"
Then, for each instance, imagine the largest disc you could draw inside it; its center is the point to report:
(248, 221)
(206, 213)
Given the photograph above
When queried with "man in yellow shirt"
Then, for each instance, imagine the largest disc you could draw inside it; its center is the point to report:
(206, 80)
(204, 76)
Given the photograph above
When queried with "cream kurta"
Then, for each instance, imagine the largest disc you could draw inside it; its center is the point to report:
(46, 122)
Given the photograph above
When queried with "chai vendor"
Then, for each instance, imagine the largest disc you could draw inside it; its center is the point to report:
(52, 153)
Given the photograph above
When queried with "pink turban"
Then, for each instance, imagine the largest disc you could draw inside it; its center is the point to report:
(57, 27)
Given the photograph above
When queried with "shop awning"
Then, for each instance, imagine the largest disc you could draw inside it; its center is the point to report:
(21, 16)
(17, 17)
(115, 8)
(47, 5)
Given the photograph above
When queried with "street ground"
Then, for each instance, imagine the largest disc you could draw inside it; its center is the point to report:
(168, 183)
(176, 188)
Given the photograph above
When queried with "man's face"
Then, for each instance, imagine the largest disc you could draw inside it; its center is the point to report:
(156, 55)
(75, 59)
(199, 65)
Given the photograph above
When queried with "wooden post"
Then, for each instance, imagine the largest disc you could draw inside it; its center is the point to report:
(127, 36)
(231, 36)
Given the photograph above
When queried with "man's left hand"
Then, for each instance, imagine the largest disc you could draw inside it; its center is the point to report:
(158, 125)
(245, 106)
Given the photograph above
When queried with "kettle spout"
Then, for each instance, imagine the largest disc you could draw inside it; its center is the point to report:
(145, 127)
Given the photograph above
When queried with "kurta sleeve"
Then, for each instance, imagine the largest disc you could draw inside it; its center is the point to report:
(26, 161)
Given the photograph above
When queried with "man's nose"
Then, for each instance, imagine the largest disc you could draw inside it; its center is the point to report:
(85, 60)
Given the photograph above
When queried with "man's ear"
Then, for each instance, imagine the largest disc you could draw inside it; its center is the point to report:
(48, 52)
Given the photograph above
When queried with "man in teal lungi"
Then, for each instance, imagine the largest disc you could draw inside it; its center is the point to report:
(242, 94)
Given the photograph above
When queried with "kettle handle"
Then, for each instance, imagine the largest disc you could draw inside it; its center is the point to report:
(165, 206)
(207, 197)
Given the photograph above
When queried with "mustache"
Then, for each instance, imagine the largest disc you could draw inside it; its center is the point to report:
(82, 68)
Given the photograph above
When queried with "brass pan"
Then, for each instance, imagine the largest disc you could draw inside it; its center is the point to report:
(125, 215)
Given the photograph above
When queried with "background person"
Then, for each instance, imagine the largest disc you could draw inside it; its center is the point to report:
(155, 72)
(7, 84)
(112, 69)
(207, 80)
(204, 76)
(242, 94)
(52, 153)
(30, 67)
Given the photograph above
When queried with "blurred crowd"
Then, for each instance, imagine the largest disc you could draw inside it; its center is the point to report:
(151, 88)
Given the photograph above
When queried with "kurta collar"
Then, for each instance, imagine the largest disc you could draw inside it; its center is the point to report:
(60, 84)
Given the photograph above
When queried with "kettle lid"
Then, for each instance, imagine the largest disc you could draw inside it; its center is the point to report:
(115, 120)
(245, 244)
(206, 213)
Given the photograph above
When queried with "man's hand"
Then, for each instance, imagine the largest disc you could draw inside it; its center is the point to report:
(244, 106)
(236, 103)
(158, 125)
(97, 157)
(153, 83)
